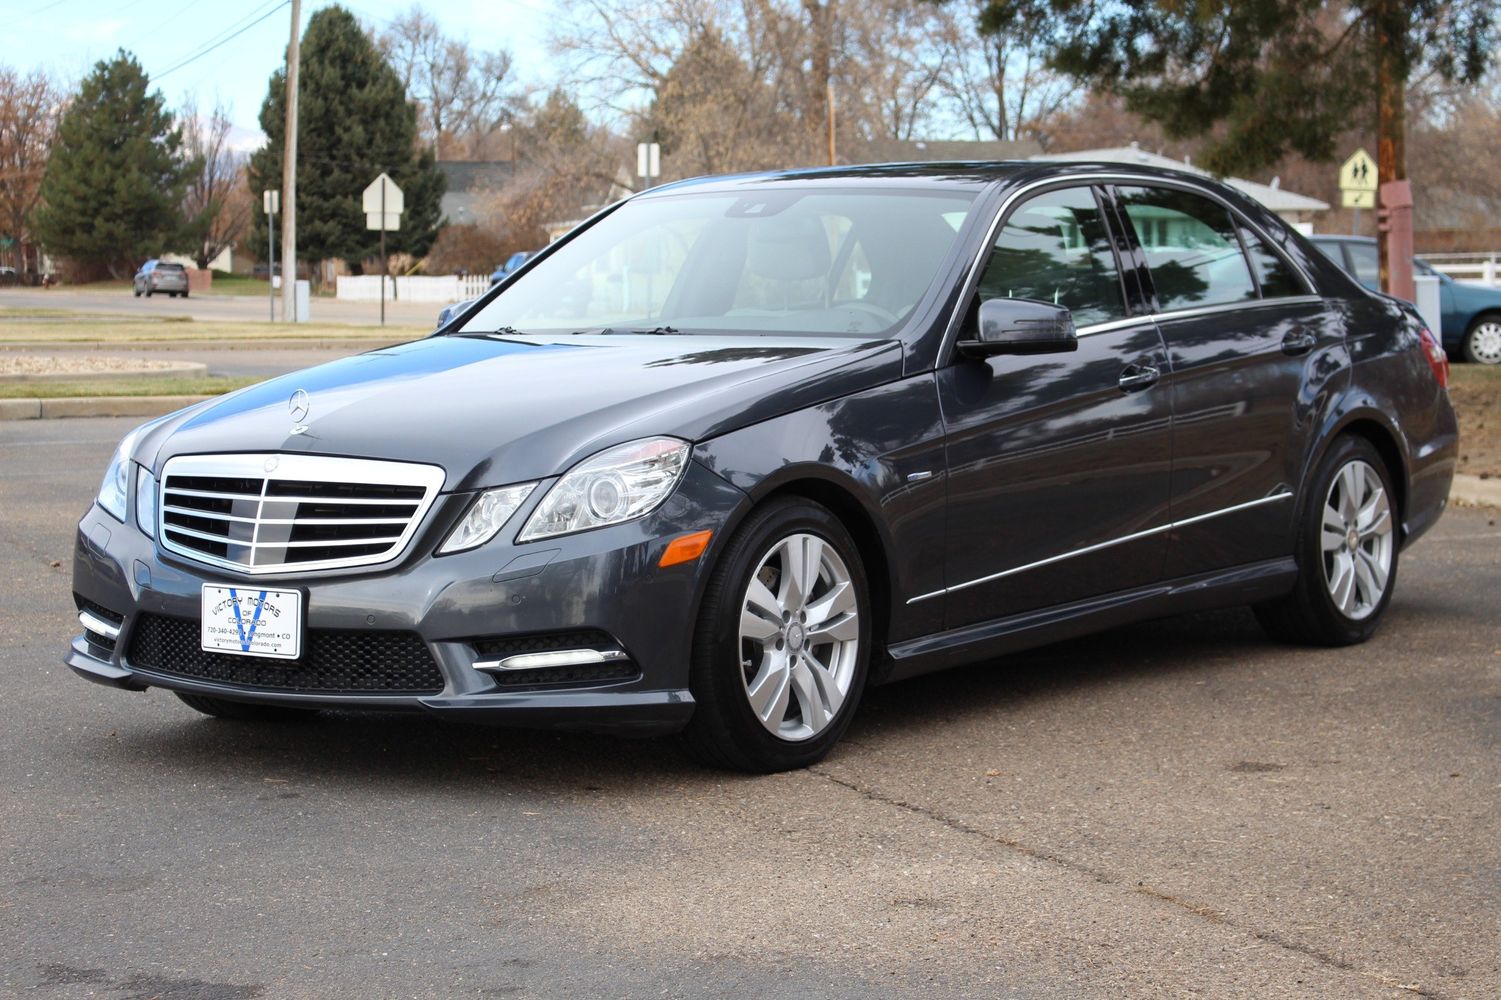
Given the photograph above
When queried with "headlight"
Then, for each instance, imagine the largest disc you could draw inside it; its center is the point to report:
(145, 501)
(621, 484)
(116, 485)
(487, 515)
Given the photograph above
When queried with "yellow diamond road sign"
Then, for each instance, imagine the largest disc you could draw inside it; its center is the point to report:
(1358, 173)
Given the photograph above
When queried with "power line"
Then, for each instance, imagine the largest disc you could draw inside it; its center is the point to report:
(229, 38)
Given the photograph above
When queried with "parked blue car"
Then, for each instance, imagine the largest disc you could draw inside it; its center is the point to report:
(509, 268)
(1471, 313)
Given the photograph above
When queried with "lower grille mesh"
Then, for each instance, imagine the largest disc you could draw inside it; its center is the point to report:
(333, 660)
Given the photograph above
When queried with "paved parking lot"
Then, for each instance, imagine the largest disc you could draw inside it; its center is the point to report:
(1175, 808)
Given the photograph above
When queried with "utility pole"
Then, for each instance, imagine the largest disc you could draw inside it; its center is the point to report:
(289, 176)
(829, 97)
(1393, 21)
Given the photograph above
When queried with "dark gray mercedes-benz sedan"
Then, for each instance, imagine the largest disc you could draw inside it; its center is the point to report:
(738, 447)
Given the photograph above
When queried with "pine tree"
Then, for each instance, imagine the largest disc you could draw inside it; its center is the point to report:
(1262, 78)
(354, 122)
(112, 194)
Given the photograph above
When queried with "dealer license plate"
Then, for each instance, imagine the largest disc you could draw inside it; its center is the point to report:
(249, 621)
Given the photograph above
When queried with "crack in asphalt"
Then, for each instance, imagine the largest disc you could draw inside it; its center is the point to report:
(1115, 881)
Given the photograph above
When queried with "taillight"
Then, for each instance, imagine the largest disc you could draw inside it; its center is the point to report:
(1437, 359)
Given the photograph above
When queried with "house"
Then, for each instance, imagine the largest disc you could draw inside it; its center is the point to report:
(470, 184)
(934, 151)
(1296, 209)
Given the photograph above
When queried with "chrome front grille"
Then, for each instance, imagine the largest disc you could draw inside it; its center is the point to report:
(291, 513)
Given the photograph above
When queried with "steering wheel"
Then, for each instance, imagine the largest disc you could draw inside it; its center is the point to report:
(886, 317)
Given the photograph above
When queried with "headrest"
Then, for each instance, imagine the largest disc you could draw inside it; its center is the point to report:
(788, 248)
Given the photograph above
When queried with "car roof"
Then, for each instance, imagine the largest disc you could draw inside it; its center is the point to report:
(958, 174)
(1339, 238)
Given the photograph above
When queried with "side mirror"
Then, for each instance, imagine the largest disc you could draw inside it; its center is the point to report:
(1021, 326)
(447, 314)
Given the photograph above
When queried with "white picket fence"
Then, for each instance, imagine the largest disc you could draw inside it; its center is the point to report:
(439, 289)
(1474, 268)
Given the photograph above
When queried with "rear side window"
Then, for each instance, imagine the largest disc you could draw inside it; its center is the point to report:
(1274, 274)
(1364, 264)
(1191, 248)
(1054, 248)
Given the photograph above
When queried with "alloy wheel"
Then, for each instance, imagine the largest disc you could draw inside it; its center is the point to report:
(1357, 540)
(799, 637)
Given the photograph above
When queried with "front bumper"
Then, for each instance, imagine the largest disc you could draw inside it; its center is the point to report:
(606, 581)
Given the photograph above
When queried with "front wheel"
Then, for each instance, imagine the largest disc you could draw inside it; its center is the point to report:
(1482, 343)
(782, 643)
(1346, 552)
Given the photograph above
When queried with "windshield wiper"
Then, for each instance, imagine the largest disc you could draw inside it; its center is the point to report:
(606, 331)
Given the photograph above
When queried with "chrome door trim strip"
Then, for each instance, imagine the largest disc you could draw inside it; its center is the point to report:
(1135, 536)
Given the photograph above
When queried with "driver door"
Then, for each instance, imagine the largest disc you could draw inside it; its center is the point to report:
(1058, 464)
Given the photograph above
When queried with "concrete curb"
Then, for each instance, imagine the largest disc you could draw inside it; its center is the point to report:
(1474, 491)
(94, 406)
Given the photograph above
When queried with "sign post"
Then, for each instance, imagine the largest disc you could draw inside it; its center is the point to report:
(383, 203)
(648, 161)
(1357, 184)
(271, 203)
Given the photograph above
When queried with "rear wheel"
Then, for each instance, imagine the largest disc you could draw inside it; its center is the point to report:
(1346, 552)
(782, 644)
(244, 711)
(1483, 341)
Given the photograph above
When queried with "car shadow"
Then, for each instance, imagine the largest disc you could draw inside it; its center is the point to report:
(420, 751)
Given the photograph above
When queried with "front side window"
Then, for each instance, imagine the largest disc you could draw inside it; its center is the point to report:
(1191, 248)
(797, 261)
(1054, 248)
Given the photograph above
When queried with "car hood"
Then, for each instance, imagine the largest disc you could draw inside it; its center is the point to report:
(496, 410)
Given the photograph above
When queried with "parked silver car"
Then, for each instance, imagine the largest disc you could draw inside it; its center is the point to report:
(160, 276)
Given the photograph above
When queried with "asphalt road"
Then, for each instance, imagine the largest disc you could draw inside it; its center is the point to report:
(1177, 808)
(237, 308)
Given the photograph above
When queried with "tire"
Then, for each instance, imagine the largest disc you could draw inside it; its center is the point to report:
(244, 711)
(806, 686)
(184, 294)
(1341, 596)
(148, 291)
(1482, 343)
(135, 291)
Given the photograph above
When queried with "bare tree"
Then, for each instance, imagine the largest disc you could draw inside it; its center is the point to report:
(739, 84)
(998, 84)
(217, 202)
(462, 95)
(30, 106)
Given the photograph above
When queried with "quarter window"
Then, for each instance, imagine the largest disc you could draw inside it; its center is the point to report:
(1054, 248)
(1191, 248)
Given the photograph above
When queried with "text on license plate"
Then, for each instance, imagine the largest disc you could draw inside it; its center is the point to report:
(252, 622)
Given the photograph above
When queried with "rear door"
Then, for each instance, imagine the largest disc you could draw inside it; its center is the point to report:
(1251, 350)
(1058, 464)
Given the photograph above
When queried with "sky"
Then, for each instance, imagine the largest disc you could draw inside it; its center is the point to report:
(66, 38)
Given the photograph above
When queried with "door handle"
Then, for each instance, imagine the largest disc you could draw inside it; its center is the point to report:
(1298, 342)
(1138, 377)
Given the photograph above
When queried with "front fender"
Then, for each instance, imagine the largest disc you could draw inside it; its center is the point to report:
(882, 450)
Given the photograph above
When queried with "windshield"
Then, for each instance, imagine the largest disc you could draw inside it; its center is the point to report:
(786, 261)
